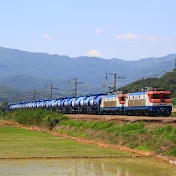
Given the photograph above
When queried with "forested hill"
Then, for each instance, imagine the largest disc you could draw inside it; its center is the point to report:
(15, 64)
(166, 82)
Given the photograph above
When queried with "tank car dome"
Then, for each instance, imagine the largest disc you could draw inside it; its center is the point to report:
(58, 103)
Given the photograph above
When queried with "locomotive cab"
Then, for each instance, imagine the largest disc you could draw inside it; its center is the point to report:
(160, 96)
(161, 102)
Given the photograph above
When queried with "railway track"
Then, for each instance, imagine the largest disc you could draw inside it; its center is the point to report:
(129, 119)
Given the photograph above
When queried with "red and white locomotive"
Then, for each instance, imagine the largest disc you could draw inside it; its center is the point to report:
(156, 103)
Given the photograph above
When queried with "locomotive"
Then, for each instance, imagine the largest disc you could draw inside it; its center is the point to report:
(148, 103)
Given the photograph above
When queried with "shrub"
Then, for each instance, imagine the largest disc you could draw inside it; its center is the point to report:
(168, 132)
(38, 117)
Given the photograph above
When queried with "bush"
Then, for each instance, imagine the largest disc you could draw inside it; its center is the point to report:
(4, 106)
(39, 117)
(168, 132)
(174, 101)
(111, 127)
(5, 115)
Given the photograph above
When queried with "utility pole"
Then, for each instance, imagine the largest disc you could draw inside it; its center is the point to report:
(76, 84)
(51, 91)
(21, 98)
(175, 64)
(35, 93)
(18, 97)
(115, 78)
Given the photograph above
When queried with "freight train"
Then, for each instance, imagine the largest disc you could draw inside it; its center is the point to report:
(149, 103)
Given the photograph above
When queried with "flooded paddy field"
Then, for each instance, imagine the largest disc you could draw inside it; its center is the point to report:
(21, 143)
(87, 167)
(27, 145)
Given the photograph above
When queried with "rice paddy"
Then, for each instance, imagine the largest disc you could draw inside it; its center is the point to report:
(17, 143)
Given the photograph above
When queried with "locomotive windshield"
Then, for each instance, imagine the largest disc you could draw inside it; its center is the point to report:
(161, 96)
(156, 96)
(166, 96)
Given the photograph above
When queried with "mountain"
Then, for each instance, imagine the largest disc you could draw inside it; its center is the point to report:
(25, 70)
(26, 85)
(7, 93)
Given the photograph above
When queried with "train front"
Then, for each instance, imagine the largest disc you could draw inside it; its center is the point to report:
(161, 102)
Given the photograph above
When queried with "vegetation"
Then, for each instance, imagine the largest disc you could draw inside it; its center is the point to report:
(24, 143)
(4, 106)
(135, 135)
(4, 114)
(40, 117)
(166, 82)
(174, 101)
(157, 138)
(9, 94)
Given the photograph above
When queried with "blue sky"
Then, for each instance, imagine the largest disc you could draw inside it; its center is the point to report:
(125, 29)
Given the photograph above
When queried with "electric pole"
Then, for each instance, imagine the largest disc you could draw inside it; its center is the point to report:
(115, 78)
(51, 91)
(76, 84)
(34, 94)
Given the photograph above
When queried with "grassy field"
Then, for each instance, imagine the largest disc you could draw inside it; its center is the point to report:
(148, 137)
(153, 137)
(16, 142)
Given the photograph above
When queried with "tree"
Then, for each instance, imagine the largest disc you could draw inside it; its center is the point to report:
(4, 106)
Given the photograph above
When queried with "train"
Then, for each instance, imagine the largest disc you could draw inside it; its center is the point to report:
(146, 103)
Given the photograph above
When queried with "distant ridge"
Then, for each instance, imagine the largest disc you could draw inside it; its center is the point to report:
(91, 70)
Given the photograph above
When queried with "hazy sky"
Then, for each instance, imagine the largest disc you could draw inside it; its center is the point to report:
(125, 29)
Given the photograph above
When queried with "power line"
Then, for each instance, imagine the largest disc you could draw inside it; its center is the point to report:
(51, 90)
(115, 78)
(76, 84)
(35, 93)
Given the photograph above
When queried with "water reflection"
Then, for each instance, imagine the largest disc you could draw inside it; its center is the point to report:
(84, 167)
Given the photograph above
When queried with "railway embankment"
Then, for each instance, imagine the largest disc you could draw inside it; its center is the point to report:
(155, 138)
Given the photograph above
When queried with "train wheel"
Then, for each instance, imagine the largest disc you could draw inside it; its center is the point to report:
(89, 111)
(71, 111)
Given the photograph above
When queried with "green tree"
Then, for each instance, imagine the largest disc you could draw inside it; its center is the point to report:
(174, 101)
(4, 106)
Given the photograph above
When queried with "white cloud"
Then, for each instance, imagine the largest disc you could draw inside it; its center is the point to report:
(99, 31)
(127, 36)
(93, 52)
(130, 36)
(47, 37)
(152, 38)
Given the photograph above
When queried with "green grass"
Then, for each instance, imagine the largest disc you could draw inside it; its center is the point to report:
(19, 133)
(159, 139)
(16, 142)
